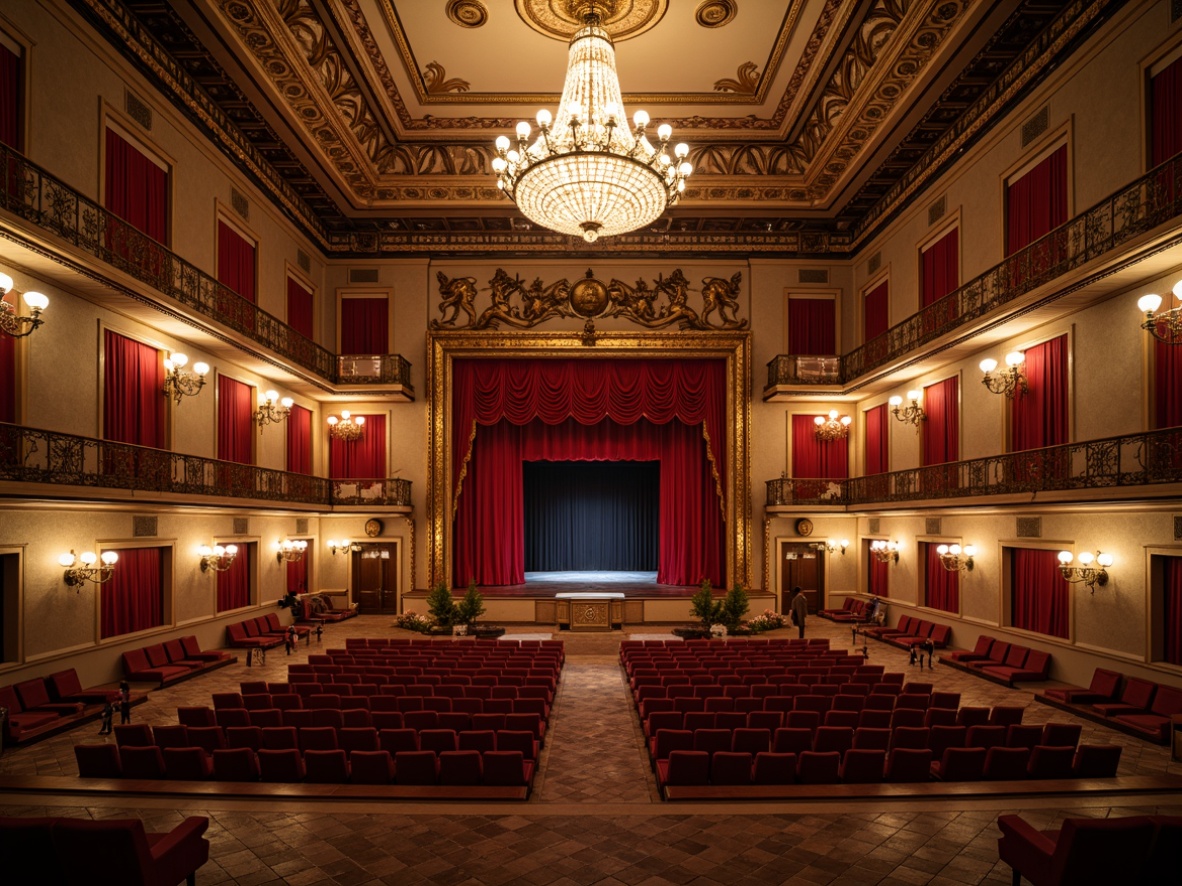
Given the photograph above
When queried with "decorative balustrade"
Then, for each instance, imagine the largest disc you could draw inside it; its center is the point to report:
(386, 369)
(28, 191)
(1135, 460)
(31, 455)
(1151, 200)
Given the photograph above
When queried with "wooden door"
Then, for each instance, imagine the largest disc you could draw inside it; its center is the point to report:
(375, 579)
(800, 565)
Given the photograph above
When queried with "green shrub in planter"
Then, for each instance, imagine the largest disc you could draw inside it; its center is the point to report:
(734, 607)
(704, 607)
(471, 607)
(441, 606)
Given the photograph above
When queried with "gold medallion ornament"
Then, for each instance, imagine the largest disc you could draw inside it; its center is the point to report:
(716, 13)
(467, 13)
(373, 528)
(588, 297)
(804, 528)
(620, 18)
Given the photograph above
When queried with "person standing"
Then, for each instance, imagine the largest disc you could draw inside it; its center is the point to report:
(800, 609)
(124, 702)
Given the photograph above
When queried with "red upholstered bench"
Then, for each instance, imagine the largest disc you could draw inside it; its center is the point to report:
(1104, 687)
(1086, 850)
(65, 686)
(978, 652)
(21, 724)
(1036, 667)
(1135, 698)
(34, 696)
(138, 669)
(1155, 723)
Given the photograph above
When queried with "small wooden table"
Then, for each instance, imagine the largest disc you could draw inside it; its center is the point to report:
(591, 610)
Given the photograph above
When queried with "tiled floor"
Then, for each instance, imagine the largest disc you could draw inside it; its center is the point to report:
(595, 815)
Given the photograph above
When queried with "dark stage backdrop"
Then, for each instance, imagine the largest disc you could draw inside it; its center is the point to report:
(582, 516)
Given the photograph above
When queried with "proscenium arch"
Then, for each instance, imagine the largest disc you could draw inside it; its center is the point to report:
(443, 348)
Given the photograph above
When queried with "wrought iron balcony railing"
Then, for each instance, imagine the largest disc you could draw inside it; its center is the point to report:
(1135, 460)
(1152, 199)
(386, 369)
(30, 192)
(31, 455)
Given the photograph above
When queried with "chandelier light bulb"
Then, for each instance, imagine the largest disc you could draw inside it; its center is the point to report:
(271, 396)
(1105, 560)
(1086, 558)
(942, 550)
(6, 283)
(970, 550)
(1149, 303)
(201, 368)
(88, 558)
(110, 558)
(36, 301)
(232, 550)
(640, 120)
(1015, 358)
(1065, 557)
(205, 551)
(179, 360)
(914, 395)
(67, 560)
(988, 365)
(896, 400)
(544, 119)
(523, 130)
(332, 420)
(953, 549)
(1177, 290)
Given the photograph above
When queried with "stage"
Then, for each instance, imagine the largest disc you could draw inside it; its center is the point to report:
(633, 585)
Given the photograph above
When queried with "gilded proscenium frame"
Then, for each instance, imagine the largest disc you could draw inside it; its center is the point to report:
(444, 347)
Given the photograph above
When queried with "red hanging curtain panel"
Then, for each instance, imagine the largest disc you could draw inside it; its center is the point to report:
(236, 272)
(362, 459)
(878, 576)
(133, 382)
(235, 421)
(1041, 596)
(812, 326)
(133, 598)
(1036, 203)
(939, 275)
(1165, 90)
(1167, 385)
(875, 311)
(1172, 610)
(299, 440)
(234, 584)
(297, 574)
(136, 189)
(299, 308)
(504, 412)
(11, 90)
(1039, 417)
(877, 440)
(365, 326)
(942, 586)
(7, 372)
(940, 434)
(812, 457)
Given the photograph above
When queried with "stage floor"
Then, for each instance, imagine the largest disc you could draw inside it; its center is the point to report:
(630, 584)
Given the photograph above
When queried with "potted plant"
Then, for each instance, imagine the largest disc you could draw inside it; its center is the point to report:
(469, 610)
(706, 609)
(442, 608)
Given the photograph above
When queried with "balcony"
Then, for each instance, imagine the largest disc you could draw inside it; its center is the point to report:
(1097, 233)
(74, 464)
(37, 197)
(1112, 468)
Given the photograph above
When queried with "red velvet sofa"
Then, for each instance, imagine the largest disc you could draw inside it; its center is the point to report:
(1142, 708)
(1001, 661)
(46, 706)
(320, 607)
(171, 662)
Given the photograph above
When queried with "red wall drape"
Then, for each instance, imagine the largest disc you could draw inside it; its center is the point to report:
(812, 457)
(7, 373)
(362, 459)
(942, 587)
(1041, 597)
(365, 326)
(236, 262)
(939, 272)
(133, 598)
(1167, 384)
(299, 308)
(585, 392)
(234, 584)
(1172, 609)
(1037, 202)
(940, 434)
(136, 189)
(11, 91)
(1039, 417)
(812, 326)
(878, 576)
(299, 440)
(235, 421)
(133, 402)
(878, 459)
(297, 573)
(875, 311)
(1165, 90)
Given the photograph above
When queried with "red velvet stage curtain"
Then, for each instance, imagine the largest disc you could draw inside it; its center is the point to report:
(587, 391)
(299, 308)
(363, 459)
(1036, 203)
(1172, 611)
(942, 587)
(365, 326)
(234, 584)
(1165, 91)
(297, 573)
(878, 576)
(136, 189)
(299, 440)
(235, 421)
(875, 311)
(878, 460)
(939, 272)
(133, 599)
(11, 90)
(133, 402)
(8, 373)
(812, 326)
(1041, 598)
(1039, 417)
(1167, 384)
(812, 457)
(939, 435)
(236, 257)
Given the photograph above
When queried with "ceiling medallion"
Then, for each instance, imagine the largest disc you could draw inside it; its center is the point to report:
(622, 19)
(716, 13)
(467, 13)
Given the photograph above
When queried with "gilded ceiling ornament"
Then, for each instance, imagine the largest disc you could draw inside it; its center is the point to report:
(746, 79)
(437, 83)
(467, 13)
(620, 18)
(716, 13)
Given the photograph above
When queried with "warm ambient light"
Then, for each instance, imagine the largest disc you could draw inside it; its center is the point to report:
(12, 323)
(291, 551)
(217, 558)
(178, 381)
(76, 575)
(912, 413)
(833, 428)
(1091, 571)
(588, 175)
(1009, 381)
(272, 409)
(954, 558)
(885, 551)
(1166, 326)
(831, 546)
(346, 428)
(343, 546)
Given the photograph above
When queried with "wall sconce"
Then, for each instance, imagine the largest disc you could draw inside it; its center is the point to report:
(885, 551)
(911, 414)
(76, 575)
(1086, 573)
(291, 551)
(1166, 326)
(1009, 381)
(955, 558)
(343, 546)
(272, 409)
(217, 558)
(346, 428)
(831, 546)
(12, 323)
(834, 428)
(178, 381)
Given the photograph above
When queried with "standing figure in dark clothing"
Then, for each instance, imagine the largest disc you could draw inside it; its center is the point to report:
(108, 715)
(124, 702)
(800, 609)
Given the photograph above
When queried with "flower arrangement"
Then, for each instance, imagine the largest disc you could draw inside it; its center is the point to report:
(412, 621)
(768, 621)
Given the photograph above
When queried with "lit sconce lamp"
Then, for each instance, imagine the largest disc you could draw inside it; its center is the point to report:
(831, 546)
(76, 575)
(178, 381)
(12, 323)
(1091, 571)
(291, 551)
(885, 551)
(912, 413)
(834, 428)
(217, 558)
(272, 409)
(346, 428)
(1166, 326)
(1009, 381)
(343, 546)
(955, 558)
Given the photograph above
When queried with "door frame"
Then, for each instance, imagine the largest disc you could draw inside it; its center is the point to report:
(778, 569)
(394, 545)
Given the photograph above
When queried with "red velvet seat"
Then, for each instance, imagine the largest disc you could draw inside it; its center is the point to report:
(1135, 698)
(138, 734)
(1050, 762)
(731, 768)
(315, 738)
(397, 740)
(193, 651)
(910, 737)
(371, 767)
(208, 738)
(908, 764)
(774, 768)
(415, 768)
(818, 768)
(119, 850)
(1155, 723)
(280, 738)
(1104, 687)
(326, 766)
(65, 686)
(1096, 761)
(187, 764)
(960, 764)
(863, 766)
(1006, 764)
(1019, 735)
(244, 737)
(518, 740)
(142, 761)
(985, 737)
(171, 736)
(684, 768)
(460, 768)
(1006, 715)
(1084, 851)
(196, 716)
(505, 769)
(98, 760)
(972, 716)
(281, 765)
(26, 845)
(978, 652)
(223, 700)
(235, 764)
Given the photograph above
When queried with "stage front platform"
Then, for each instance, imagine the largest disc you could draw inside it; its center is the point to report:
(642, 601)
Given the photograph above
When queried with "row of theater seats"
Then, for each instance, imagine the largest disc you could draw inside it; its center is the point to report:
(440, 698)
(1130, 704)
(171, 661)
(454, 687)
(458, 647)
(45, 706)
(912, 631)
(1001, 661)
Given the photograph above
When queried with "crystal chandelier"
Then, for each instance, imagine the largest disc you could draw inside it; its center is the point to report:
(1165, 326)
(587, 175)
(833, 428)
(346, 428)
